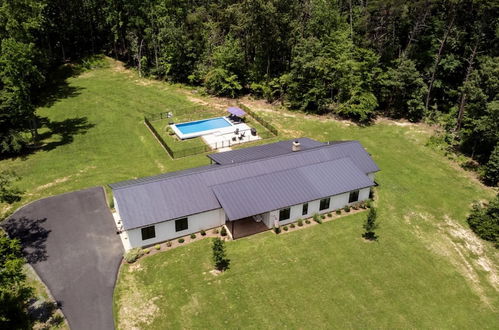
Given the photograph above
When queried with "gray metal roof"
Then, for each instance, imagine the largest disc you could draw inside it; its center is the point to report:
(169, 196)
(263, 151)
(159, 177)
(264, 193)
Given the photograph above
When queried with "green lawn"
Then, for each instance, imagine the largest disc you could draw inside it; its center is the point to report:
(427, 270)
(99, 136)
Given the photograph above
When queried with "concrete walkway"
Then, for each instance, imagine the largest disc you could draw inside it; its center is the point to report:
(71, 242)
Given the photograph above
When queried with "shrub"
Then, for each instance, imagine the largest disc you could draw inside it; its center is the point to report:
(215, 231)
(223, 232)
(169, 244)
(181, 240)
(491, 168)
(369, 204)
(323, 217)
(338, 211)
(300, 223)
(317, 218)
(193, 236)
(277, 229)
(292, 225)
(132, 255)
(329, 215)
(307, 222)
(202, 232)
(370, 225)
(355, 207)
(157, 247)
(347, 208)
(484, 220)
(363, 205)
(219, 258)
(146, 251)
(285, 228)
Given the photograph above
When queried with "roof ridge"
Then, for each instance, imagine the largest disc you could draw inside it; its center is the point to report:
(326, 144)
(287, 169)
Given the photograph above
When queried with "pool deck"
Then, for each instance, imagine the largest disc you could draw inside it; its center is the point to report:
(225, 137)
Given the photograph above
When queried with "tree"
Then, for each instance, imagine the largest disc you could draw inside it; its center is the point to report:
(403, 90)
(484, 220)
(225, 76)
(491, 175)
(370, 225)
(7, 193)
(14, 292)
(219, 258)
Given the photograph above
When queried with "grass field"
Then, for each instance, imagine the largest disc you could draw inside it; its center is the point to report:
(427, 270)
(97, 135)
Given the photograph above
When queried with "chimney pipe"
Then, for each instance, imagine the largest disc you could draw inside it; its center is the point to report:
(296, 146)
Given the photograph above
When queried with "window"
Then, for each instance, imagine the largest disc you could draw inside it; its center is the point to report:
(304, 209)
(181, 224)
(284, 214)
(148, 232)
(354, 196)
(324, 203)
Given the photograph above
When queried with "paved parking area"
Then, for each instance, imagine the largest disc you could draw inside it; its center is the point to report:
(71, 242)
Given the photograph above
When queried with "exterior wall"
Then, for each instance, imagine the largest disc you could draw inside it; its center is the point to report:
(115, 202)
(371, 175)
(337, 202)
(166, 230)
(266, 220)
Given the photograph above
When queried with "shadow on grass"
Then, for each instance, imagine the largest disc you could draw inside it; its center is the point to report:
(45, 312)
(66, 129)
(31, 234)
(57, 86)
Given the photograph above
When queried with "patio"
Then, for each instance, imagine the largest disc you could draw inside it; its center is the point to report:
(229, 136)
(245, 227)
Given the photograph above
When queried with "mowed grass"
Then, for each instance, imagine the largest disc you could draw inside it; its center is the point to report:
(427, 270)
(100, 135)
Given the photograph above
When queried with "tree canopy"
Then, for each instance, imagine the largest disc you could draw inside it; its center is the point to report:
(430, 60)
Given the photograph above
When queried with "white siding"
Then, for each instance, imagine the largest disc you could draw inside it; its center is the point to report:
(371, 175)
(266, 220)
(166, 230)
(115, 202)
(337, 202)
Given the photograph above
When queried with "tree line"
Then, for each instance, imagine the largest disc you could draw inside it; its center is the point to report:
(431, 60)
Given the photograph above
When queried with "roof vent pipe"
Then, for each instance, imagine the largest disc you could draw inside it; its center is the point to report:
(296, 146)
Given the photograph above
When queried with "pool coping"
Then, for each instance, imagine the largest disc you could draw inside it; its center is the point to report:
(183, 136)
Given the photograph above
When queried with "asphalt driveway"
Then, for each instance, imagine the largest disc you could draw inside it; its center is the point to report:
(71, 242)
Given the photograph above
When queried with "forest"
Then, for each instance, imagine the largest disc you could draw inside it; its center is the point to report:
(431, 61)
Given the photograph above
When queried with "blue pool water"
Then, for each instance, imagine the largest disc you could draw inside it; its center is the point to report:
(202, 125)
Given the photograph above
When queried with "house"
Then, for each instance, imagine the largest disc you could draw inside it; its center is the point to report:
(271, 184)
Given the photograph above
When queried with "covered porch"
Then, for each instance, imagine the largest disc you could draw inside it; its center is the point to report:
(245, 227)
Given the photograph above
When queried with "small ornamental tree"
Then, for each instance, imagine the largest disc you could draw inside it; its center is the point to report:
(370, 225)
(7, 193)
(219, 258)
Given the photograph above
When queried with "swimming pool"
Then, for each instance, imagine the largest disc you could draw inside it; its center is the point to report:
(200, 127)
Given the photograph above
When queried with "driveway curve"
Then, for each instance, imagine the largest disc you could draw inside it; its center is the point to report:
(71, 242)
